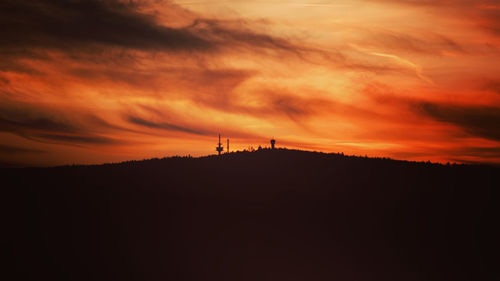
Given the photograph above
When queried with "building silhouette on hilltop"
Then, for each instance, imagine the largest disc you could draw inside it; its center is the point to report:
(219, 148)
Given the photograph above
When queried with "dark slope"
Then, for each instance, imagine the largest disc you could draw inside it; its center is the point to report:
(265, 215)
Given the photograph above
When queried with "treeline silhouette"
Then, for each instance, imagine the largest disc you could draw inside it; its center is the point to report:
(262, 215)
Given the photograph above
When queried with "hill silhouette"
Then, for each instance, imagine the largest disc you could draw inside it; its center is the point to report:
(263, 215)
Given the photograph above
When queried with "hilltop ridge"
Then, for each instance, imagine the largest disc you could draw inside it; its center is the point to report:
(267, 214)
(281, 152)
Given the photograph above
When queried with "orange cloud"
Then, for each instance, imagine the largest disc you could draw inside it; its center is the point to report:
(99, 81)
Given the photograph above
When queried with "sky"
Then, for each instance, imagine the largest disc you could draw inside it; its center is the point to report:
(99, 81)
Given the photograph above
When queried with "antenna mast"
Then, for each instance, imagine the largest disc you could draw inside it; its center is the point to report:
(219, 147)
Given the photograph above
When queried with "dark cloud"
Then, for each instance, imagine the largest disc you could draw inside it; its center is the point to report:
(36, 124)
(4, 80)
(210, 129)
(202, 84)
(45, 128)
(48, 125)
(493, 86)
(19, 117)
(10, 59)
(270, 102)
(79, 139)
(483, 152)
(63, 24)
(481, 162)
(14, 164)
(101, 28)
(128, 76)
(301, 106)
(482, 121)
(166, 126)
(296, 107)
(10, 64)
(9, 149)
(236, 34)
(100, 124)
(476, 120)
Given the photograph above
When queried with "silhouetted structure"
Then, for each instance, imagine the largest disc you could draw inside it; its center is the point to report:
(219, 147)
(227, 151)
(273, 141)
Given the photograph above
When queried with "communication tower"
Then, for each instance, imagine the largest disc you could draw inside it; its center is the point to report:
(219, 147)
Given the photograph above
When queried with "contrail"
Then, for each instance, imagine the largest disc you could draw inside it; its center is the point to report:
(417, 68)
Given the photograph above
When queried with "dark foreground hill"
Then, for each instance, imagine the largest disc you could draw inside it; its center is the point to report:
(266, 215)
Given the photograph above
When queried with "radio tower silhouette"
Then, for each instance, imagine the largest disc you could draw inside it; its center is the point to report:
(227, 151)
(219, 147)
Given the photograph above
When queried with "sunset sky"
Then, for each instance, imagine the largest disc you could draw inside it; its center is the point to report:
(104, 81)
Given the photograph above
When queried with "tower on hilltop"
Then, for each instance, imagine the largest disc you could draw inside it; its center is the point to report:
(219, 147)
